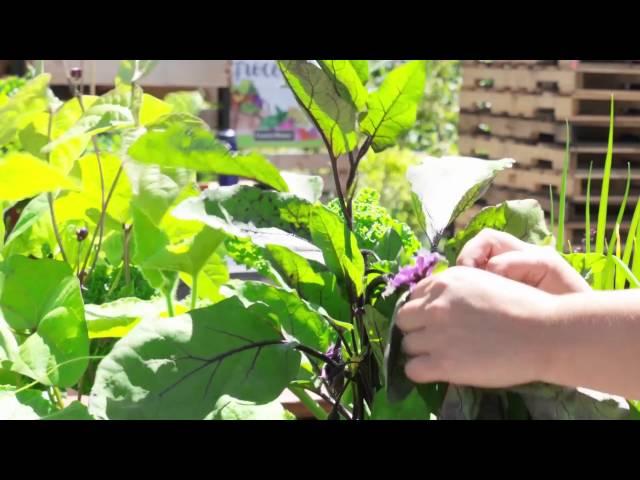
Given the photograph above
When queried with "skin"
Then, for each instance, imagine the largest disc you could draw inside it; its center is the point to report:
(512, 313)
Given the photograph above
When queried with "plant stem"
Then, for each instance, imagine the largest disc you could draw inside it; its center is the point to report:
(58, 397)
(308, 402)
(194, 290)
(169, 297)
(50, 199)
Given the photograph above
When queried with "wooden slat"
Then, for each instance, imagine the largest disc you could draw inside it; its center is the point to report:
(167, 73)
(516, 104)
(512, 127)
(605, 94)
(613, 68)
(530, 80)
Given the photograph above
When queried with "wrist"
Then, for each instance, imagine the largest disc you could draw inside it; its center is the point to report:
(547, 337)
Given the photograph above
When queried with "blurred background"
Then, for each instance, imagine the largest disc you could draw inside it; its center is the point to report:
(483, 108)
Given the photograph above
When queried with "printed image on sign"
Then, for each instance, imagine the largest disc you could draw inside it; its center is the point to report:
(264, 111)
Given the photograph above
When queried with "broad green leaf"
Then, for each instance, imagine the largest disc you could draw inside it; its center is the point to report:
(523, 219)
(398, 386)
(87, 204)
(308, 187)
(297, 319)
(179, 367)
(153, 109)
(36, 136)
(164, 246)
(346, 81)
(229, 408)
(314, 90)
(109, 112)
(131, 71)
(590, 265)
(74, 411)
(32, 211)
(156, 189)
(116, 319)
(311, 280)
(22, 176)
(194, 147)
(20, 109)
(339, 246)
(24, 405)
(389, 246)
(377, 326)
(191, 102)
(448, 186)
(411, 408)
(113, 247)
(43, 297)
(392, 109)
(362, 69)
(242, 210)
(213, 274)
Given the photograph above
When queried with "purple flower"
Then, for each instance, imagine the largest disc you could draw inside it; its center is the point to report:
(410, 276)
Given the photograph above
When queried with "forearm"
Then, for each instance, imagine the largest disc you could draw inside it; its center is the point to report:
(592, 340)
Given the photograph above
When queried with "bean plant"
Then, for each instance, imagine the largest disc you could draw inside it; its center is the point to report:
(116, 300)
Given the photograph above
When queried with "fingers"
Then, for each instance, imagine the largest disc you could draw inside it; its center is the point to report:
(424, 369)
(529, 267)
(419, 342)
(487, 244)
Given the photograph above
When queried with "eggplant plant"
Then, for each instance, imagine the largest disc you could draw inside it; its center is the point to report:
(111, 220)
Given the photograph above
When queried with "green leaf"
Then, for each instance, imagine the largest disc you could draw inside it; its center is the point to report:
(590, 265)
(377, 326)
(36, 135)
(157, 189)
(346, 81)
(296, 317)
(153, 109)
(213, 274)
(398, 386)
(116, 319)
(24, 405)
(448, 186)
(191, 102)
(362, 69)
(179, 367)
(411, 408)
(311, 280)
(314, 90)
(229, 408)
(562, 201)
(173, 245)
(307, 187)
(339, 246)
(55, 352)
(195, 147)
(243, 211)
(392, 109)
(31, 213)
(22, 107)
(74, 411)
(22, 176)
(109, 112)
(523, 219)
(389, 246)
(604, 193)
(134, 70)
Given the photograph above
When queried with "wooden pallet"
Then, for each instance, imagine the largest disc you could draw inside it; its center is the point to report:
(582, 128)
(561, 64)
(547, 155)
(537, 180)
(520, 79)
(548, 105)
